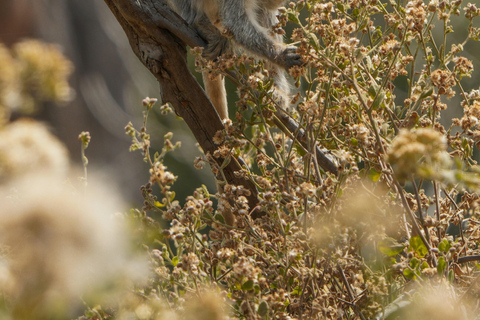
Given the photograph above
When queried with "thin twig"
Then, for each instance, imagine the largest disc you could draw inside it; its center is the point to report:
(350, 291)
(420, 213)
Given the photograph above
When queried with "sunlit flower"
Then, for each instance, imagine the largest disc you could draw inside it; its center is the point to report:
(244, 268)
(471, 115)
(437, 301)
(421, 152)
(208, 305)
(444, 80)
(463, 66)
(415, 15)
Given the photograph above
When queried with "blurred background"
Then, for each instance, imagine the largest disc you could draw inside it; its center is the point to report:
(109, 84)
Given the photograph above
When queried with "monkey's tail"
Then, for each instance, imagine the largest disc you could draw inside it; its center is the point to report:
(215, 89)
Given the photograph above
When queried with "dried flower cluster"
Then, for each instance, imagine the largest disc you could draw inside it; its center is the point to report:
(422, 153)
(376, 240)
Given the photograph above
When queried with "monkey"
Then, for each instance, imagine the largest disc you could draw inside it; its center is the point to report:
(250, 22)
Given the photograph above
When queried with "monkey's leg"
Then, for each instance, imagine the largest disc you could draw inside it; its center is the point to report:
(215, 89)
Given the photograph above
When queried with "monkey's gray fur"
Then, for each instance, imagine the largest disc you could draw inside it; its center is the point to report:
(250, 22)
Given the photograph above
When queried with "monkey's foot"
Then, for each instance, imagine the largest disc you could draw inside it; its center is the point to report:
(289, 58)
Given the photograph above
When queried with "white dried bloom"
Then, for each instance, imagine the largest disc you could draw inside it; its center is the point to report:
(438, 301)
(62, 245)
(415, 15)
(207, 305)
(225, 253)
(421, 152)
(26, 147)
(244, 268)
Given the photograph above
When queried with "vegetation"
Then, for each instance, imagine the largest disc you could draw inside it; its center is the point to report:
(394, 235)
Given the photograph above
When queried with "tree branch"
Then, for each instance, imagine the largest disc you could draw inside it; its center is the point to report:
(147, 24)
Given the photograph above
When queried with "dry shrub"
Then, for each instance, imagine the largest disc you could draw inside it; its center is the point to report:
(357, 245)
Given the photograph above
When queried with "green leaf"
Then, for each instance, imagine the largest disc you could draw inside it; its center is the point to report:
(409, 274)
(242, 68)
(313, 40)
(263, 308)
(414, 263)
(205, 191)
(377, 34)
(256, 288)
(372, 90)
(300, 150)
(175, 261)
(297, 291)
(247, 285)
(158, 204)
(374, 175)
(417, 245)
(290, 281)
(428, 93)
(424, 265)
(441, 266)
(451, 276)
(390, 247)
(218, 217)
(379, 100)
(293, 17)
(340, 193)
(287, 227)
(444, 246)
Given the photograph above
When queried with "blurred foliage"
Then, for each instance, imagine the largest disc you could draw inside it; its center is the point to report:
(31, 73)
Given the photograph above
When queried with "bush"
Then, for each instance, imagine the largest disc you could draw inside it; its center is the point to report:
(393, 235)
(342, 246)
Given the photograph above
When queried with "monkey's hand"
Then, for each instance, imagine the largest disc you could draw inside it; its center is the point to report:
(217, 45)
(289, 58)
